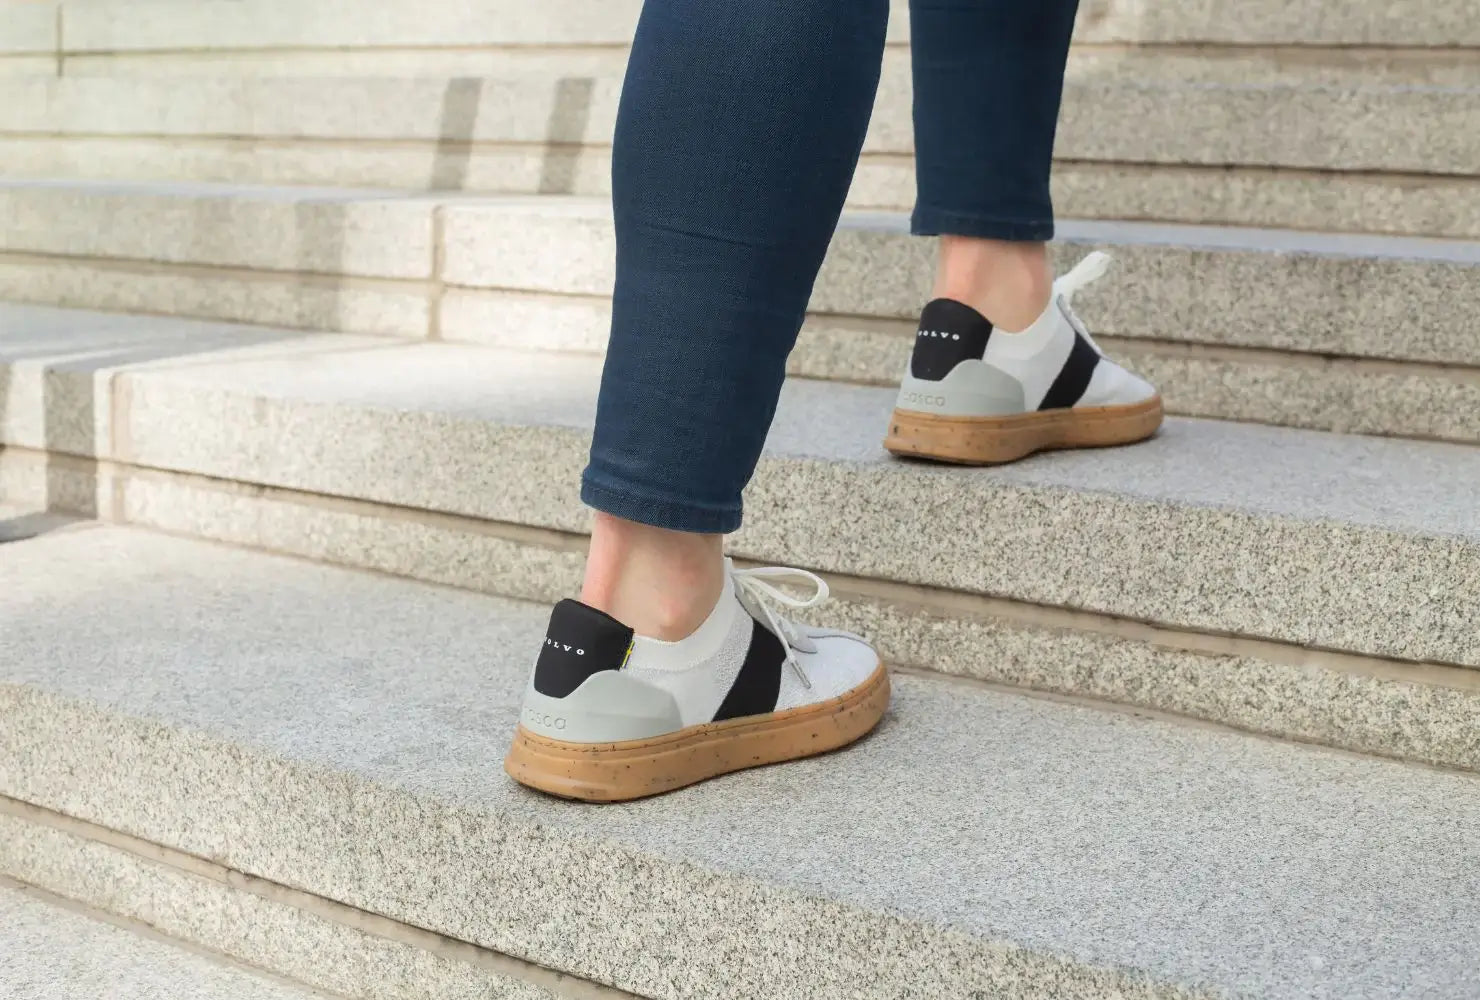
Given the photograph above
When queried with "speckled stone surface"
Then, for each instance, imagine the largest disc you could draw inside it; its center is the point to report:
(28, 28)
(160, 24)
(472, 61)
(293, 300)
(1134, 110)
(1399, 298)
(1257, 65)
(225, 24)
(1365, 22)
(267, 934)
(1432, 206)
(1244, 116)
(424, 166)
(312, 231)
(1285, 389)
(48, 952)
(1336, 202)
(1349, 543)
(1360, 128)
(342, 732)
(57, 366)
(534, 105)
(1300, 695)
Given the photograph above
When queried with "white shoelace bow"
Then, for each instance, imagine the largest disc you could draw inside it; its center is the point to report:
(753, 584)
(1091, 268)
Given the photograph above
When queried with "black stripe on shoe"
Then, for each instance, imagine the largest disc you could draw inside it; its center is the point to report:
(950, 332)
(1074, 377)
(758, 684)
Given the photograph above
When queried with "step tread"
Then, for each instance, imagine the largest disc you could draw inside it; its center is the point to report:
(1195, 858)
(1159, 76)
(1252, 239)
(1128, 116)
(121, 27)
(1404, 486)
(1366, 545)
(51, 952)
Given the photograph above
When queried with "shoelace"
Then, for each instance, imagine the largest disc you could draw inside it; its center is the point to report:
(752, 583)
(1091, 268)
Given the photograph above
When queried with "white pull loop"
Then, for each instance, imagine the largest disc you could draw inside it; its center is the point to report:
(1090, 269)
(756, 586)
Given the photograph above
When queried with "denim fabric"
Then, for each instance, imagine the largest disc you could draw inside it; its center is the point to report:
(740, 125)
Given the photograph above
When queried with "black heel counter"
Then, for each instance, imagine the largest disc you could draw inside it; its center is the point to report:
(950, 332)
(580, 642)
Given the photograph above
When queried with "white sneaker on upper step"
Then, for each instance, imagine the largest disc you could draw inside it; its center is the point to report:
(977, 395)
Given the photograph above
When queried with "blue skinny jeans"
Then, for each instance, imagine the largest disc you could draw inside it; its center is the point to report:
(740, 125)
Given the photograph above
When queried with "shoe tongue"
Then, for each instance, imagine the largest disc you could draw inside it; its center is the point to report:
(579, 642)
(950, 332)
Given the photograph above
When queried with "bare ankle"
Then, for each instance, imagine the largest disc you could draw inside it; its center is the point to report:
(661, 583)
(1009, 283)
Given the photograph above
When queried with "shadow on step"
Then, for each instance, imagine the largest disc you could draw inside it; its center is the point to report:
(58, 371)
(30, 525)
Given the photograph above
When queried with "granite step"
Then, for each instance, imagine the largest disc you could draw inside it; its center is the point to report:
(1323, 331)
(1295, 583)
(339, 734)
(224, 26)
(53, 951)
(1340, 150)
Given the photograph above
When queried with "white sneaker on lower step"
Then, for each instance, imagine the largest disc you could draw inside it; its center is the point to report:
(610, 715)
(978, 399)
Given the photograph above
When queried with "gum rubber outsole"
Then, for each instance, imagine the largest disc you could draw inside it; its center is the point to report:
(995, 440)
(635, 769)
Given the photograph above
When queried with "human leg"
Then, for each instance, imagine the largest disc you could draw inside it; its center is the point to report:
(1001, 366)
(740, 125)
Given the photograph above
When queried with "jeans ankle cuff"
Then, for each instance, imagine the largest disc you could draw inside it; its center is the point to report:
(938, 222)
(660, 512)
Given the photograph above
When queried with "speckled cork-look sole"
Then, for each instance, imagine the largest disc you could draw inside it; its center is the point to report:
(634, 769)
(994, 440)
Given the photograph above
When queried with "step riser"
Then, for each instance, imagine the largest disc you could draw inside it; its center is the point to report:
(27, 30)
(26, 66)
(382, 267)
(1350, 397)
(1194, 567)
(1385, 307)
(1330, 202)
(1238, 65)
(235, 915)
(282, 23)
(1355, 306)
(1298, 696)
(1365, 128)
(271, 299)
(1347, 397)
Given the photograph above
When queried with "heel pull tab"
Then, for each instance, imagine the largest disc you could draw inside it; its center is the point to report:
(580, 642)
(950, 332)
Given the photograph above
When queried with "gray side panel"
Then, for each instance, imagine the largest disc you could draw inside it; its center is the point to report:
(972, 389)
(608, 707)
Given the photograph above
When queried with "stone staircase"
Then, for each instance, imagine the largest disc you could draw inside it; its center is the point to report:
(56, 950)
(303, 307)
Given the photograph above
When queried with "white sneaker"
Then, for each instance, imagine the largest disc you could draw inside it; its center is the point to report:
(975, 398)
(610, 715)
